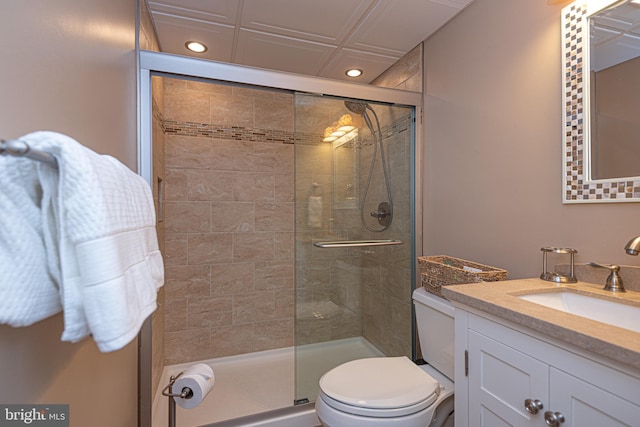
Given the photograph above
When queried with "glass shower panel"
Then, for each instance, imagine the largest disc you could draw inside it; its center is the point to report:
(353, 183)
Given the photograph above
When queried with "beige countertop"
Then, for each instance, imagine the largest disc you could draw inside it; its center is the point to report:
(500, 299)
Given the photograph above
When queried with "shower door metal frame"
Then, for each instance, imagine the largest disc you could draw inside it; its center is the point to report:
(153, 63)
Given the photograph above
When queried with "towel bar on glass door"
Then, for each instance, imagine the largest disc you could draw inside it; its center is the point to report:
(356, 243)
(18, 148)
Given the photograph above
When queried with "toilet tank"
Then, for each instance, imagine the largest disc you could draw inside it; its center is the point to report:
(435, 324)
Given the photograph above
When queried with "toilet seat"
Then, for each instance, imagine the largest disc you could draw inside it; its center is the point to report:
(384, 387)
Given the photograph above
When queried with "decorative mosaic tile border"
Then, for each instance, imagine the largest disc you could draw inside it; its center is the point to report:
(577, 187)
(226, 132)
(263, 135)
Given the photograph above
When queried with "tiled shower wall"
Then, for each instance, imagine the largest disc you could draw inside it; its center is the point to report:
(351, 292)
(229, 216)
(386, 290)
(229, 208)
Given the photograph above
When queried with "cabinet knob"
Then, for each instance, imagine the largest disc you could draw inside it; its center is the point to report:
(553, 419)
(532, 406)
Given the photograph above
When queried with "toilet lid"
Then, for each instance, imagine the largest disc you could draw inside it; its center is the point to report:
(379, 383)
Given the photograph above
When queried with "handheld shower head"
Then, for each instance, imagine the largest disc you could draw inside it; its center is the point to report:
(356, 107)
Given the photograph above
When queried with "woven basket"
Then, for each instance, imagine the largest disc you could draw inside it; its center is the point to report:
(442, 270)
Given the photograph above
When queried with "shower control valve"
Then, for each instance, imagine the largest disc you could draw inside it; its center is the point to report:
(382, 211)
(383, 214)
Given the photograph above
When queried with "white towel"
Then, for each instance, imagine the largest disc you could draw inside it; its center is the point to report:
(28, 293)
(314, 212)
(103, 240)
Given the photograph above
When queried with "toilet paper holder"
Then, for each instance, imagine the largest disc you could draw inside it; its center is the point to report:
(185, 393)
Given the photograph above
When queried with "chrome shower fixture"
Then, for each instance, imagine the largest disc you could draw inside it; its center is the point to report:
(356, 107)
(384, 213)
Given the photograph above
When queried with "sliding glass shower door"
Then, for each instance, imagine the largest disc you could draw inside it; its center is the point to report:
(354, 240)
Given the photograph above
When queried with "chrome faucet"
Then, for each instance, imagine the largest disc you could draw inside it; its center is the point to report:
(614, 281)
(633, 247)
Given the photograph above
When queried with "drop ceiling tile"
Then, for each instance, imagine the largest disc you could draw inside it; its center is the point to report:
(174, 32)
(419, 20)
(302, 36)
(221, 11)
(274, 52)
(372, 64)
(326, 21)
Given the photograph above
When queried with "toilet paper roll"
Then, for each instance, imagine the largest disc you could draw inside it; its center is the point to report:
(200, 379)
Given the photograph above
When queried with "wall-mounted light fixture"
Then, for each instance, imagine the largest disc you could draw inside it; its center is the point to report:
(353, 72)
(196, 47)
(343, 126)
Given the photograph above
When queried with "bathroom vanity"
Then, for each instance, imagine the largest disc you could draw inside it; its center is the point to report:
(520, 363)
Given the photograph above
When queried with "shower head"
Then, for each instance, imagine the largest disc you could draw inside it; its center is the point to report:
(356, 107)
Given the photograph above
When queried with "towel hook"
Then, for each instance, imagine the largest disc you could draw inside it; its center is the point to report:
(18, 148)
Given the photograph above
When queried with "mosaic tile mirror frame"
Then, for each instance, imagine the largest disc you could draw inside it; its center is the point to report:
(577, 184)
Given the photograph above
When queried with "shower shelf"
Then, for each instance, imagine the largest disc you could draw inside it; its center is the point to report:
(356, 243)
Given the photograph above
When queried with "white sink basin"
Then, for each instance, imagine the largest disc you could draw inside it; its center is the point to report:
(603, 310)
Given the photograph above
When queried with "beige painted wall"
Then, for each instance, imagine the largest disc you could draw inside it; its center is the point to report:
(493, 129)
(69, 66)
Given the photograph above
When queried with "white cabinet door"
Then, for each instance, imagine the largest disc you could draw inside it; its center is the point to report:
(585, 405)
(500, 380)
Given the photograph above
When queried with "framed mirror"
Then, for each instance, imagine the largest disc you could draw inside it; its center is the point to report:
(601, 101)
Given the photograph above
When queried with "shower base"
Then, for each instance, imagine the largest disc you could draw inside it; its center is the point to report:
(261, 386)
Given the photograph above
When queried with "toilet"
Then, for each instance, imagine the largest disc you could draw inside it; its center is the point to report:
(394, 391)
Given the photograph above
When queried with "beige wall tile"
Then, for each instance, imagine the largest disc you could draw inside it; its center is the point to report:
(273, 114)
(254, 187)
(274, 334)
(175, 318)
(209, 185)
(175, 185)
(187, 152)
(235, 278)
(285, 303)
(175, 249)
(207, 87)
(212, 311)
(258, 305)
(187, 217)
(284, 245)
(231, 110)
(187, 281)
(253, 246)
(187, 346)
(274, 275)
(274, 157)
(231, 155)
(232, 340)
(284, 187)
(239, 217)
(210, 248)
(274, 216)
(185, 104)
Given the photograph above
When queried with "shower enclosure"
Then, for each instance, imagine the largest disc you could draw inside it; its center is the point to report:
(288, 222)
(353, 234)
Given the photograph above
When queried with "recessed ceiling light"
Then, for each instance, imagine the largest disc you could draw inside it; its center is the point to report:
(196, 47)
(353, 72)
